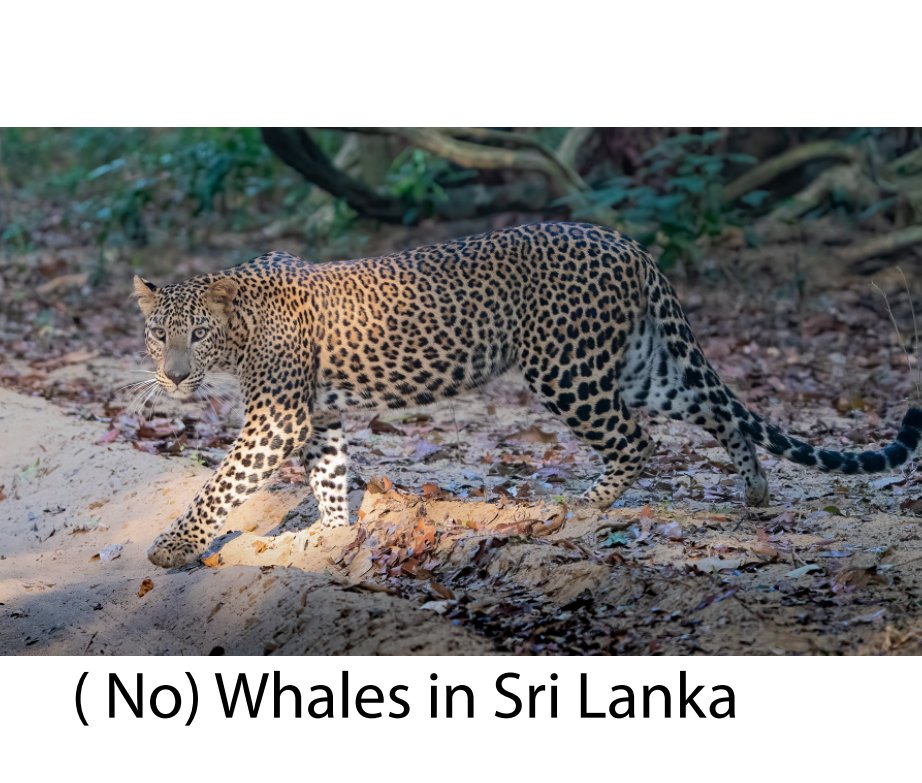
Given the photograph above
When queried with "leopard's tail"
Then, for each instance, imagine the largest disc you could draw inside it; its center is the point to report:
(896, 453)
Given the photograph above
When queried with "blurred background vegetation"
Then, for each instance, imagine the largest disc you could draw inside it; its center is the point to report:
(124, 194)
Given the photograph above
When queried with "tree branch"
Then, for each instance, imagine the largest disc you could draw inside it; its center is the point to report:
(562, 179)
(295, 147)
(571, 147)
(881, 245)
(787, 161)
(848, 182)
(492, 136)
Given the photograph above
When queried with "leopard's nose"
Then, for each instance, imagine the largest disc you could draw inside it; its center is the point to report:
(176, 376)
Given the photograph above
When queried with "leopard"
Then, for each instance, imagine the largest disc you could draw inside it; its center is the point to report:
(582, 311)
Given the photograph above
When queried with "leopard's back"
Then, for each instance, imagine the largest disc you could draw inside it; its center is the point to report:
(429, 323)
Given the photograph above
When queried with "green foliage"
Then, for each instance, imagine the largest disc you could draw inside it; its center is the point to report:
(118, 186)
(420, 178)
(676, 196)
(15, 235)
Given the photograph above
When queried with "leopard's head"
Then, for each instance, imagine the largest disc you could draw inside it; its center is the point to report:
(186, 329)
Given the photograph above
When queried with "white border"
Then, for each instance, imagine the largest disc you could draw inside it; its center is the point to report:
(406, 62)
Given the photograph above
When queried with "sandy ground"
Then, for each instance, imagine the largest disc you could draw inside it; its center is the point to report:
(679, 567)
(67, 498)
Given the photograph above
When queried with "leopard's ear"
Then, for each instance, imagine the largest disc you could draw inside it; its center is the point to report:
(219, 297)
(146, 293)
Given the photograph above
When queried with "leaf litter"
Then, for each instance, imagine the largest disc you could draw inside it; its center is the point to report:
(468, 508)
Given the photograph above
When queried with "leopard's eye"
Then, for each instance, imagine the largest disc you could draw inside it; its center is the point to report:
(199, 332)
(158, 333)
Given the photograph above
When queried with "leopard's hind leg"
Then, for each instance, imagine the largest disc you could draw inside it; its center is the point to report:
(674, 378)
(593, 408)
(703, 400)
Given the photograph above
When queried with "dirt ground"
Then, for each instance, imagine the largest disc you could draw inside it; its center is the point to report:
(76, 498)
(432, 568)
(466, 539)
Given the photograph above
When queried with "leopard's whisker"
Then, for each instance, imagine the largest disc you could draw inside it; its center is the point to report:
(141, 391)
(136, 384)
(152, 393)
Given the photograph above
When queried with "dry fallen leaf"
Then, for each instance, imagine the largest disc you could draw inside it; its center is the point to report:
(361, 565)
(534, 434)
(374, 486)
(802, 571)
(110, 436)
(379, 427)
(433, 491)
(549, 526)
(423, 450)
(75, 280)
(146, 586)
(910, 504)
(765, 550)
(850, 579)
(439, 589)
(886, 481)
(371, 587)
(710, 565)
(73, 357)
(379, 486)
(213, 560)
(671, 530)
(108, 552)
(160, 428)
(870, 617)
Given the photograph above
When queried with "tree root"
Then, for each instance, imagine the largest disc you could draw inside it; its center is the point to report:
(531, 155)
(788, 161)
(295, 147)
(859, 182)
(847, 183)
(881, 245)
(571, 149)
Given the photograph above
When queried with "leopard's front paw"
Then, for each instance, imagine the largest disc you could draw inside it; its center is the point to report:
(169, 551)
(330, 522)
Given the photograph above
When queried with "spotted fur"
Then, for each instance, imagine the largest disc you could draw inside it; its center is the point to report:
(582, 311)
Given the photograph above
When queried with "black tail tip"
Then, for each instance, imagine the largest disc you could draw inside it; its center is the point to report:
(913, 418)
